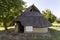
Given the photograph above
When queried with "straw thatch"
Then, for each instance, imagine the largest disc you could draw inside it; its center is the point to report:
(32, 17)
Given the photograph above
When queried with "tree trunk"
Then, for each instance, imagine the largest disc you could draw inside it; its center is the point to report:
(5, 26)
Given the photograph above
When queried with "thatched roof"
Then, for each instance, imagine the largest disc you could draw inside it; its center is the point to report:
(32, 17)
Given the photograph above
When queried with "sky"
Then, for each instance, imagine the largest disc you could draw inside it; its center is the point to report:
(53, 5)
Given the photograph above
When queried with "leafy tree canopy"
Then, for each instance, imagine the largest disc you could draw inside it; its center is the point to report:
(48, 15)
(9, 9)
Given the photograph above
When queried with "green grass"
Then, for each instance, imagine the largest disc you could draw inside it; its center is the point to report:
(56, 34)
(55, 28)
(2, 28)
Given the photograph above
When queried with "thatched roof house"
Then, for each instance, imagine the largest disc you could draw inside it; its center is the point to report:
(31, 19)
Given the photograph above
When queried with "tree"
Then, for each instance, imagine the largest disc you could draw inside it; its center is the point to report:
(9, 9)
(58, 20)
(49, 16)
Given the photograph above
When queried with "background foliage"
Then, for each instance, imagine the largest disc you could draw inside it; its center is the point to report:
(58, 20)
(48, 15)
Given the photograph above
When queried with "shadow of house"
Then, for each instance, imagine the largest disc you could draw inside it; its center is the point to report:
(31, 21)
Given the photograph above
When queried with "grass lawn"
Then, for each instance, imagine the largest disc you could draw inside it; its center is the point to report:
(56, 33)
(2, 28)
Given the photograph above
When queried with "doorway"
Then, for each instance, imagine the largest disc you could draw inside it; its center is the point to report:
(20, 27)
